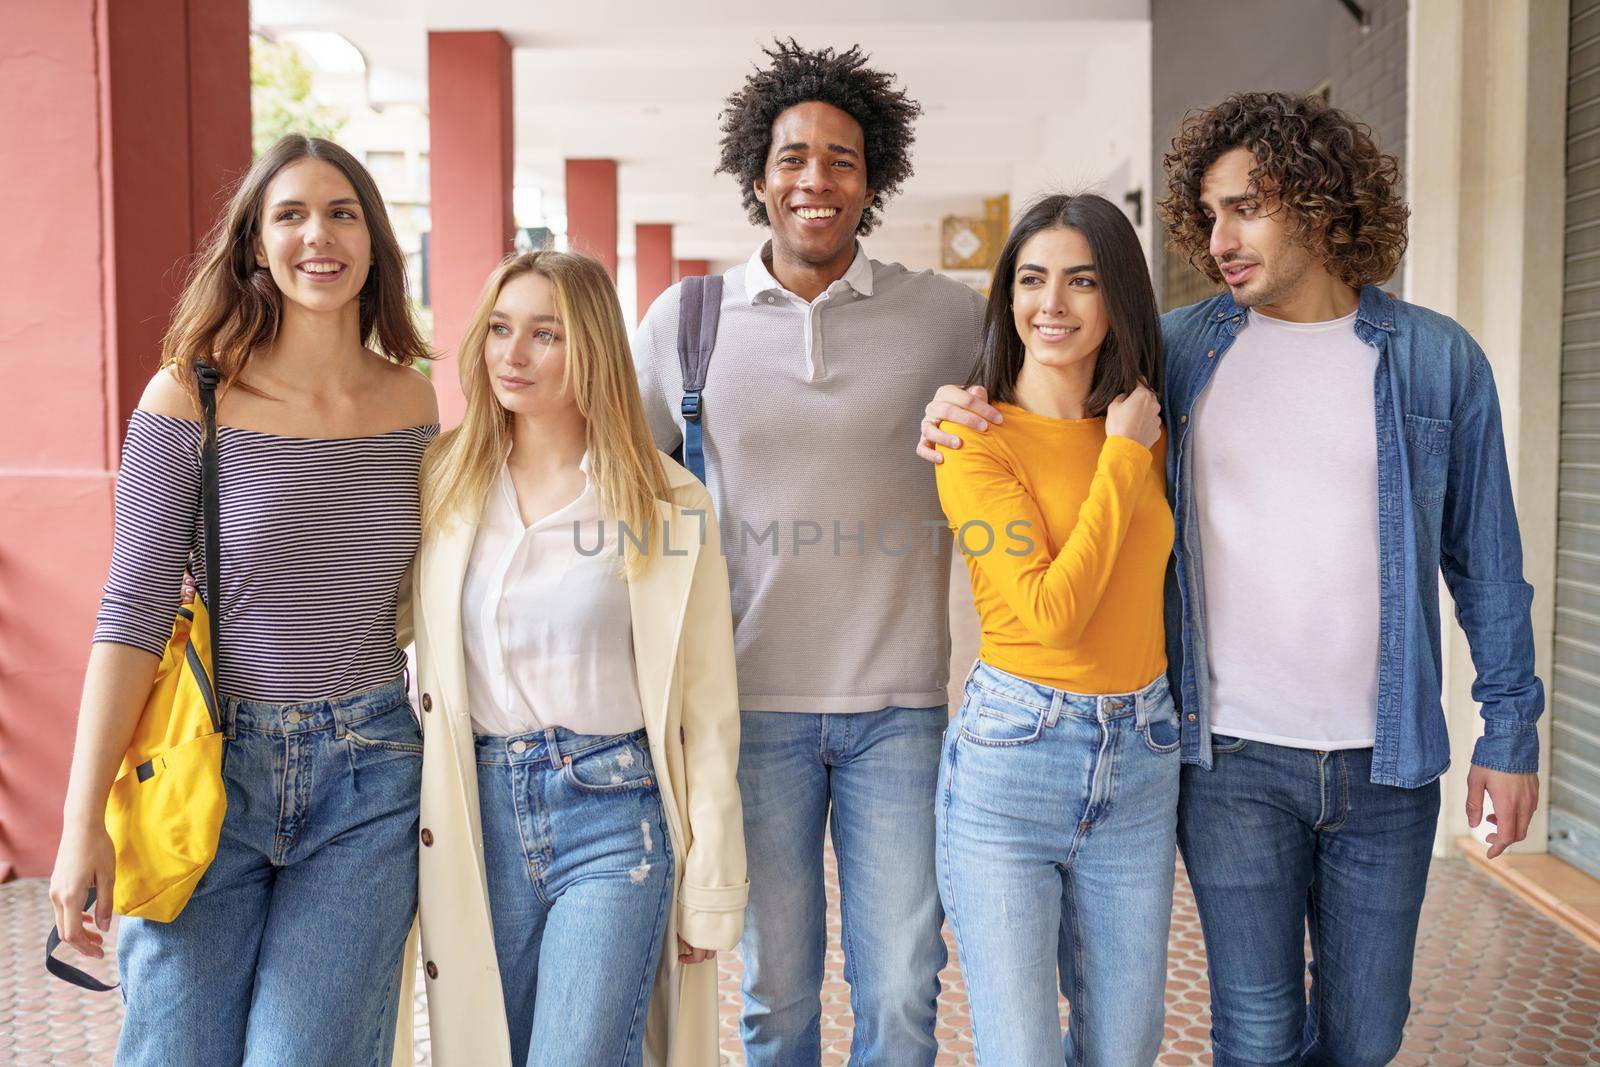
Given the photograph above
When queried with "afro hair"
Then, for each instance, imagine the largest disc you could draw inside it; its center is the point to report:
(842, 79)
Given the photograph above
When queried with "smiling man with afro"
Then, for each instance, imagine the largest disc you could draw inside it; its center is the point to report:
(836, 547)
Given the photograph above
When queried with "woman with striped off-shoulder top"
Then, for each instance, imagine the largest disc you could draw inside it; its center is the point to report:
(289, 950)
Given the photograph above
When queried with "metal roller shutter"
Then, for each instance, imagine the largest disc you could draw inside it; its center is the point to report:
(1575, 689)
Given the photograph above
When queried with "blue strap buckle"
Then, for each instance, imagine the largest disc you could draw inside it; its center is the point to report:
(691, 406)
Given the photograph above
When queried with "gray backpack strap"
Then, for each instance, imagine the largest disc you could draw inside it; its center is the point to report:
(699, 310)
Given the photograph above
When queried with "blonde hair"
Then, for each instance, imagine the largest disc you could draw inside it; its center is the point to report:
(230, 305)
(623, 463)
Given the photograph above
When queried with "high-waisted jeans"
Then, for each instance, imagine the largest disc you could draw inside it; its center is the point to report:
(580, 872)
(290, 949)
(1057, 823)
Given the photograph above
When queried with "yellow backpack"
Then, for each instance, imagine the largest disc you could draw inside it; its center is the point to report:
(164, 813)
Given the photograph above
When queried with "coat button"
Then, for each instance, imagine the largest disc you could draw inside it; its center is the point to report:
(1183, 419)
(432, 969)
(427, 836)
(427, 702)
(1211, 354)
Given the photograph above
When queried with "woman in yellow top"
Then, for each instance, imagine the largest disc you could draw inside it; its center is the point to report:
(1059, 781)
(582, 842)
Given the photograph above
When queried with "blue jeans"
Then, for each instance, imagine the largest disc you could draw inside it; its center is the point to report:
(1057, 827)
(580, 879)
(878, 771)
(1278, 841)
(290, 949)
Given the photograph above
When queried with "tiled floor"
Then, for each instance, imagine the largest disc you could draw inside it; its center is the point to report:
(1496, 983)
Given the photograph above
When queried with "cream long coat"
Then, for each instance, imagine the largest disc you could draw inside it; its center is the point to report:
(683, 648)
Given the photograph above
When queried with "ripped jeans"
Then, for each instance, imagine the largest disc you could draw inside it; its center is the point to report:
(580, 879)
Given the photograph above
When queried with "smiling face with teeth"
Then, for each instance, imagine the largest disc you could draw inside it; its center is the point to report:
(814, 189)
(1056, 303)
(314, 238)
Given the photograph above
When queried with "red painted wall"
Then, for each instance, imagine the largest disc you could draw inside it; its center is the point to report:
(470, 149)
(126, 120)
(688, 268)
(592, 209)
(652, 259)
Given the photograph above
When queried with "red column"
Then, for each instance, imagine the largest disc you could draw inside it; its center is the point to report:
(688, 268)
(592, 209)
(652, 259)
(136, 116)
(470, 143)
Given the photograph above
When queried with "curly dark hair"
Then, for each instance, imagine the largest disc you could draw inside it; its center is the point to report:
(1342, 192)
(842, 79)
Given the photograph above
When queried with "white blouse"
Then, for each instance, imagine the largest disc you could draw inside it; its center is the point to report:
(547, 628)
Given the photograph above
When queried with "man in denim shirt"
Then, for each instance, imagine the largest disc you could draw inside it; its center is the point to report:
(1333, 450)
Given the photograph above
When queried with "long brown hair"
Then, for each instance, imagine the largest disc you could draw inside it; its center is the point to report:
(624, 465)
(230, 305)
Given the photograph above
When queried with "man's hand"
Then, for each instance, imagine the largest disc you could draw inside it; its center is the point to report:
(1515, 796)
(968, 407)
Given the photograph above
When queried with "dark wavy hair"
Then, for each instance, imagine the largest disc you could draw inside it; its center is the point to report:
(231, 307)
(1132, 349)
(1342, 192)
(842, 79)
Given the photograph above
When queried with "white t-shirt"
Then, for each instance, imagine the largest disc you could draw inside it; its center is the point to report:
(547, 628)
(1286, 488)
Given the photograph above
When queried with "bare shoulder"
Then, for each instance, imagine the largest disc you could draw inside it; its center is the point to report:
(410, 393)
(165, 395)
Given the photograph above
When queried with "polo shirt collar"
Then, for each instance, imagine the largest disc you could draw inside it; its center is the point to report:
(758, 280)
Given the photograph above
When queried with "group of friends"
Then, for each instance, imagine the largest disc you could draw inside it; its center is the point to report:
(1204, 550)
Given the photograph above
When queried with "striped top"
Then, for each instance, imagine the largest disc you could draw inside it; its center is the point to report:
(317, 534)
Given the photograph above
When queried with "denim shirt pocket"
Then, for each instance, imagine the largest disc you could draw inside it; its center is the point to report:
(1428, 455)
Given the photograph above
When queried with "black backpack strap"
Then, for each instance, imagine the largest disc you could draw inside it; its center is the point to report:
(699, 311)
(211, 504)
(66, 971)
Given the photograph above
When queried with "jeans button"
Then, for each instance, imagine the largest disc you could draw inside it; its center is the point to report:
(294, 718)
(1191, 716)
(519, 747)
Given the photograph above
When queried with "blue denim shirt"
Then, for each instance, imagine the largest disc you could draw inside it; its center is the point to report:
(1444, 504)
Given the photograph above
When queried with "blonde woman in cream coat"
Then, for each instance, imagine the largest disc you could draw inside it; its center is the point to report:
(547, 375)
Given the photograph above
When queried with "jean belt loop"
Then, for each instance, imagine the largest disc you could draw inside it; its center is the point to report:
(552, 749)
(1057, 700)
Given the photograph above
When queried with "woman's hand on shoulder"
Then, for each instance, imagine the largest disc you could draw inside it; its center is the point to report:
(1135, 415)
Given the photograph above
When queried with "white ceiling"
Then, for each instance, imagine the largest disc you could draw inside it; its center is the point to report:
(1018, 95)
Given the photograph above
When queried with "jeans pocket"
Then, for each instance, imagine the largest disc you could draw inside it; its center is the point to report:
(997, 722)
(1221, 744)
(1428, 456)
(394, 731)
(618, 768)
(1161, 730)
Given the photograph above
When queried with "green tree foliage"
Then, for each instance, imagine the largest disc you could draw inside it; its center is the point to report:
(280, 97)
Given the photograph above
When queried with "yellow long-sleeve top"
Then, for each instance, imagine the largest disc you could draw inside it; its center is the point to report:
(1069, 592)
